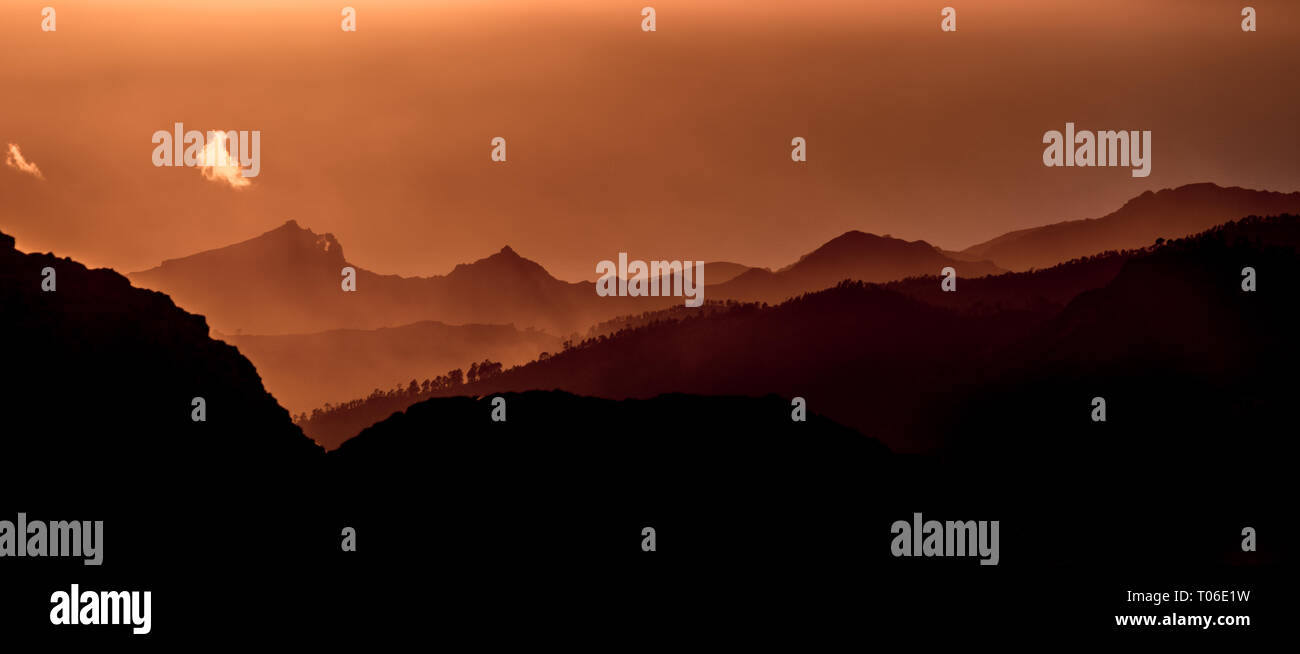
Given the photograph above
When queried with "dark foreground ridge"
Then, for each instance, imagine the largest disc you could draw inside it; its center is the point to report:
(102, 372)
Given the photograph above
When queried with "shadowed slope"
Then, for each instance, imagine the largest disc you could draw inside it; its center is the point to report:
(100, 372)
(1189, 364)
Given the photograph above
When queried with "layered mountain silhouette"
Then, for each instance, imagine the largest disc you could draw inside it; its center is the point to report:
(870, 356)
(305, 371)
(854, 255)
(288, 281)
(1170, 323)
(1189, 363)
(100, 377)
(1169, 213)
(1042, 290)
(279, 299)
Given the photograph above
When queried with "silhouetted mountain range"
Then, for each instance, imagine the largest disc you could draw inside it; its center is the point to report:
(1043, 290)
(853, 255)
(1169, 213)
(827, 346)
(1190, 364)
(1170, 323)
(901, 343)
(288, 281)
(98, 419)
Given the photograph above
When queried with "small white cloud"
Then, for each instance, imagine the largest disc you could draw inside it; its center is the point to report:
(16, 161)
(218, 165)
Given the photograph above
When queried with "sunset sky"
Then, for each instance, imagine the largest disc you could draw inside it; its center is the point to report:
(673, 144)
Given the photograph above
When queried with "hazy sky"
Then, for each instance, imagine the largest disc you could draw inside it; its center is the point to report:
(667, 145)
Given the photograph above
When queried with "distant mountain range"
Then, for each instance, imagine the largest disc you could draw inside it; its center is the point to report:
(288, 281)
(280, 297)
(1170, 213)
(853, 255)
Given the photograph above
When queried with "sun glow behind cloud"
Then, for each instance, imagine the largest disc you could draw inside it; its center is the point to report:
(218, 165)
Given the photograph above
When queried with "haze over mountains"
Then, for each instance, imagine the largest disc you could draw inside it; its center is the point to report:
(852, 255)
(1169, 213)
(906, 331)
(288, 281)
(1171, 340)
(308, 370)
(278, 297)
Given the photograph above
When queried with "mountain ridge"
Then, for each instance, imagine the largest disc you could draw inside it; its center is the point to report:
(286, 281)
(1168, 213)
(855, 255)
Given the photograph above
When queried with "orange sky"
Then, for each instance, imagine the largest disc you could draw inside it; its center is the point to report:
(668, 145)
